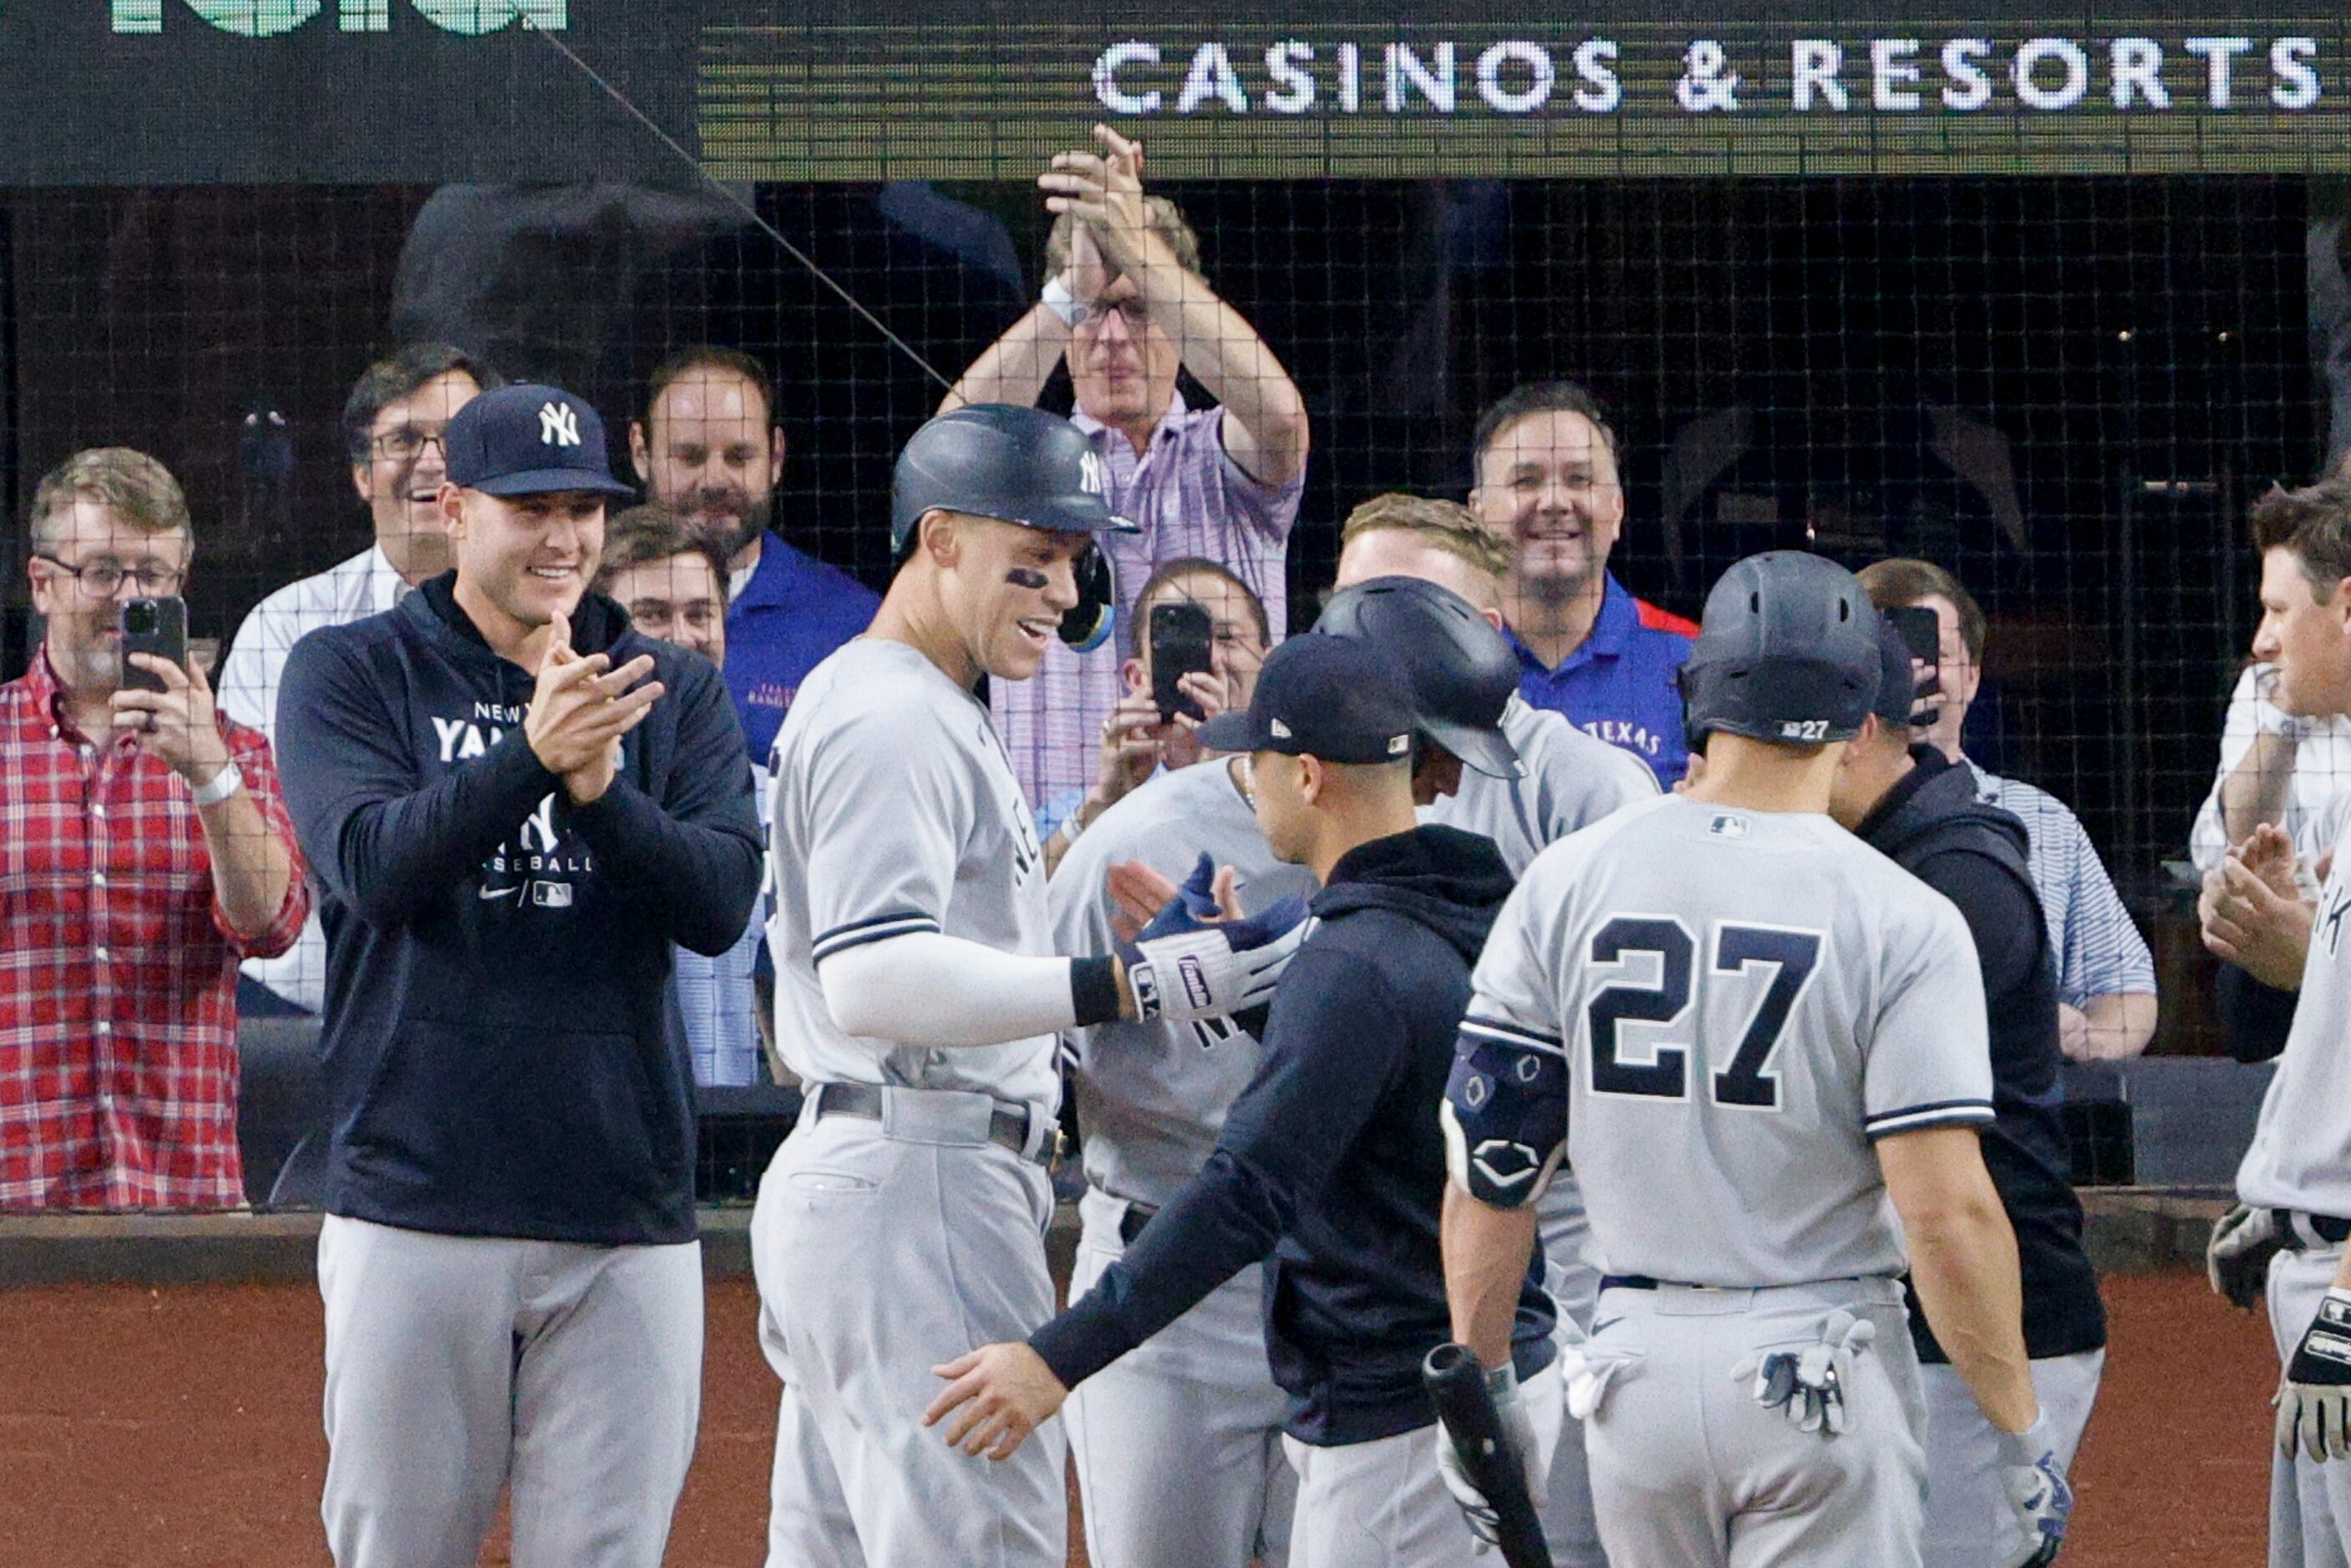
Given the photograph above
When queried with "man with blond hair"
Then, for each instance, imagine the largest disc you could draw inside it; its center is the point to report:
(1127, 305)
(155, 853)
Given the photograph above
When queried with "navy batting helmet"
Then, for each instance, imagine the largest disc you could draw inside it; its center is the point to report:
(1461, 672)
(1017, 465)
(1787, 651)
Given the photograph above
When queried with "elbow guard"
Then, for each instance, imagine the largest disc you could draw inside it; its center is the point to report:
(1505, 1115)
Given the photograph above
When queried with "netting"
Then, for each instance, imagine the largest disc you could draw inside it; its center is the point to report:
(2064, 389)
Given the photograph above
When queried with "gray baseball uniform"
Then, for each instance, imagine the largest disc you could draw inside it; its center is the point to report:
(2300, 1160)
(1178, 1443)
(887, 1245)
(1572, 780)
(1735, 1004)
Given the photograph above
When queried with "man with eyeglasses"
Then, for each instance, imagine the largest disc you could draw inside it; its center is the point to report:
(1125, 304)
(392, 426)
(146, 852)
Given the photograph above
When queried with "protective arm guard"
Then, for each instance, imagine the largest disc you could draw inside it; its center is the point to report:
(1505, 1113)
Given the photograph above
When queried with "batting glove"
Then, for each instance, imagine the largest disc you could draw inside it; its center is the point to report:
(2237, 1259)
(1510, 1409)
(1181, 967)
(2313, 1403)
(2036, 1488)
(1807, 1386)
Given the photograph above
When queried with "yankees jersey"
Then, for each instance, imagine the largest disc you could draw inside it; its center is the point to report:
(1572, 780)
(2301, 1153)
(1741, 1001)
(1152, 1097)
(896, 812)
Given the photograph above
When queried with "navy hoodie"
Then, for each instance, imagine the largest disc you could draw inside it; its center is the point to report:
(1933, 827)
(495, 1046)
(1332, 1163)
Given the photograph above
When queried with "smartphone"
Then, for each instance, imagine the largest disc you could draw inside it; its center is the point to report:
(1922, 634)
(1181, 636)
(159, 627)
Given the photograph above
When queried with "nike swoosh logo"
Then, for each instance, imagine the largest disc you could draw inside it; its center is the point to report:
(497, 892)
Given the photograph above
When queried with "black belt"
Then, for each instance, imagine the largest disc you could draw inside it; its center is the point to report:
(1631, 1283)
(1007, 1125)
(2326, 1227)
(1131, 1223)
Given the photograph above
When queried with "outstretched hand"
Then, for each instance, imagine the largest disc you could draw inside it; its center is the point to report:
(1004, 1391)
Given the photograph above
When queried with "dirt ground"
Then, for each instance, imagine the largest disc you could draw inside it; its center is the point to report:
(182, 1426)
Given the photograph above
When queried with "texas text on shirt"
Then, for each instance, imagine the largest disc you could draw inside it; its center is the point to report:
(1191, 499)
(1620, 684)
(781, 621)
(365, 584)
(118, 970)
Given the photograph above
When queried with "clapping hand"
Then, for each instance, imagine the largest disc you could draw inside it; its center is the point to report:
(582, 708)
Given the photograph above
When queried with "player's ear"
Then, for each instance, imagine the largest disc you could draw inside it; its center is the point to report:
(452, 509)
(1494, 618)
(942, 541)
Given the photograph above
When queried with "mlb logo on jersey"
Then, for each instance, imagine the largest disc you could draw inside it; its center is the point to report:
(551, 894)
(1728, 825)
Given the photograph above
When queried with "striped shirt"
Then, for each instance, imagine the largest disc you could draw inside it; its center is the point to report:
(1189, 498)
(2099, 946)
(718, 996)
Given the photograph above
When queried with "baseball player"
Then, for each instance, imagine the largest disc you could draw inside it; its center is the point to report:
(2288, 1233)
(1569, 780)
(1177, 1444)
(511, 825)
(1745, 1030)
(1923, 812)
(918, 999)
(1330, 1162)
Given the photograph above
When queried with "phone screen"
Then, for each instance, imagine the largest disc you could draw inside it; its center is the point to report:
(1922, 634)
(1181, 636)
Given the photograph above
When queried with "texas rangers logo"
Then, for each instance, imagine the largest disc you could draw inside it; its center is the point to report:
(2330, 924)
(559, 425)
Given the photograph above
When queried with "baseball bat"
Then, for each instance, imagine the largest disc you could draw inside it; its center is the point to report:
(1456, 1387)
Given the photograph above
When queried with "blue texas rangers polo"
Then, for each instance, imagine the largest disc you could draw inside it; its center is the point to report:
(1620, 685)
(793, 612)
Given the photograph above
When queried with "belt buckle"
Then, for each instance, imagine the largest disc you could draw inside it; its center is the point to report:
(1058, 1150)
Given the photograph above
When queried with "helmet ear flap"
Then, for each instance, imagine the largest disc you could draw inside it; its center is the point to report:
(1089, 624)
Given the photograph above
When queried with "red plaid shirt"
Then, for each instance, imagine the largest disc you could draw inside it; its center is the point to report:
(118, 968)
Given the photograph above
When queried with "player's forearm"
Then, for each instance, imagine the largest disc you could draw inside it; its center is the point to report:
(930, 988)
(698, 877)
(1963, 1265)
(1226, 355)
(1486, 1254)
(2257, 788)
(1015, 368)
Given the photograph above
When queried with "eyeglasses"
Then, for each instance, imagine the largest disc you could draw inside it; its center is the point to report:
(102, 578)
(1137, 314)
(408, 442)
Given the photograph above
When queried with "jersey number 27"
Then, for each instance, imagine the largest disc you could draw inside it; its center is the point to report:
(1747, 1080)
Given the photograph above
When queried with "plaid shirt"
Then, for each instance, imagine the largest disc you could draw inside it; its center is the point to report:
(1190, 499)
(118, 968)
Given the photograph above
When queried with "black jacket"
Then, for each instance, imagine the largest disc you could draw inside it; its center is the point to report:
(496, 1042)
(1932, 825)
(1332, 1161)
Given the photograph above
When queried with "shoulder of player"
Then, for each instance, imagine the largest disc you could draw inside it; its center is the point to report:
(1564, 860)
(869, 688)
(1559, 755)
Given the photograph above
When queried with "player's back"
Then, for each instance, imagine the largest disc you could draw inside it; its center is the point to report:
(1746, 999)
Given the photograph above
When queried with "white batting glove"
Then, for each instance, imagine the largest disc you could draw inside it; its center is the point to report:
(2313, 1402)
(2036, 1488)
(1510, 1409)
(1180, 968)
(1807, 1386)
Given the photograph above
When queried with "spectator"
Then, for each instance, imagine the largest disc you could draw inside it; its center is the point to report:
(1544, 469)
(149, 853)
(392, 425)
(1136, 741)
(2276, 767)
(512, 826)
(709, 446)
(2105, 976)
(1126, 302)
(671, 578)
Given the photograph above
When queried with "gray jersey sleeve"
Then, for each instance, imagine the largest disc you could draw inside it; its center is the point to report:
(1505, 1110)
(891, 808)
(1928, 1056)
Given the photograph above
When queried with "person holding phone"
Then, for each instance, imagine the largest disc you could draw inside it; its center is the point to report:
(1200, 635)
(148, 852)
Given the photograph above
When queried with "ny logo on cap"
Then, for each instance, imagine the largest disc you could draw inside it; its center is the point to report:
(559, 425)
(1090, 474)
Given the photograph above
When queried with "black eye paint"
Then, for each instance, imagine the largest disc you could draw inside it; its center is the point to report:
(1025, 577)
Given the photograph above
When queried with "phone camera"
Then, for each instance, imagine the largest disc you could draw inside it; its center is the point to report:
(140, 619)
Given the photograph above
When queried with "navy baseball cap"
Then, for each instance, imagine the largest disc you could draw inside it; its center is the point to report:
(529, 439)
(1336, 698)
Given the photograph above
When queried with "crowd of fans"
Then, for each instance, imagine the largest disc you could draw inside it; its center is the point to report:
(146, 856)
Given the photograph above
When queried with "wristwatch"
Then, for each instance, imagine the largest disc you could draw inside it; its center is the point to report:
(218, 788)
